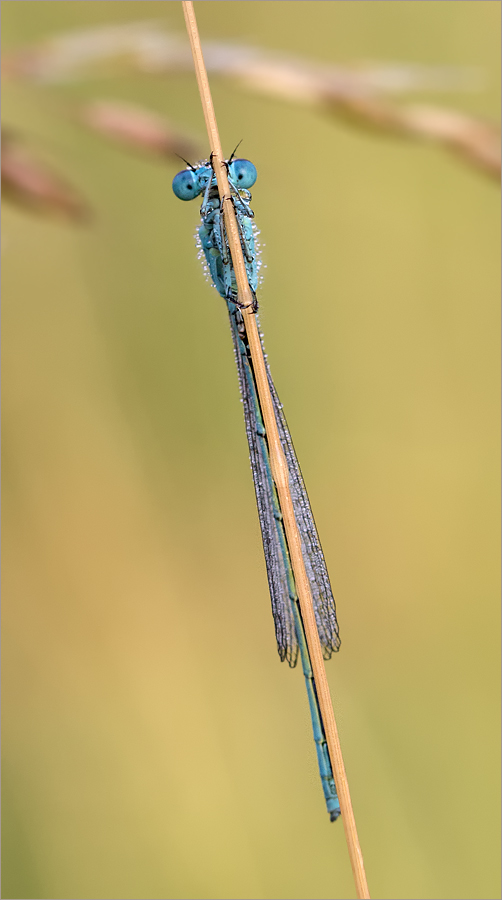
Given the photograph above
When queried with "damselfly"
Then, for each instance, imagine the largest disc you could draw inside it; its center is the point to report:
(290, 634)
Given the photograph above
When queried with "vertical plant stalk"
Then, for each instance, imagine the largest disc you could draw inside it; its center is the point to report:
(277, 461)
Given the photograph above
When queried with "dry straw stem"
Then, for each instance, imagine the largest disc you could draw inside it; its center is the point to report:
(277, 461)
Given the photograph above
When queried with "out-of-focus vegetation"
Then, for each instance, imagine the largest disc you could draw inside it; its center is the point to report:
(153, 745)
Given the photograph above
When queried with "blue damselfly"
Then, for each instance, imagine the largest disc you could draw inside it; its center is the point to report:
(196, 181)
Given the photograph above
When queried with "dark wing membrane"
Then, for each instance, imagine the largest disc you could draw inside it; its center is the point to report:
(322, 595)
(280, 577)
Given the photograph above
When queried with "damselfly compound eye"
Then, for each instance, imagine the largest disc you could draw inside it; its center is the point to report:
(243, 173)
(186, 185)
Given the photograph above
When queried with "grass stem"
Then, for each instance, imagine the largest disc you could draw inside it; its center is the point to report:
(277, 461)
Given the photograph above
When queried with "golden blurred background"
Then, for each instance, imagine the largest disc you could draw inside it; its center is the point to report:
(153, 744)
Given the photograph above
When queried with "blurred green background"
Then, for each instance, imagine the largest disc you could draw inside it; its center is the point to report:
(153, 745)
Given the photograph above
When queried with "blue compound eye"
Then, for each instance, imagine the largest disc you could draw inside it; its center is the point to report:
(243, 173)
(186, 185)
